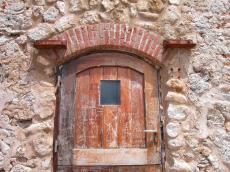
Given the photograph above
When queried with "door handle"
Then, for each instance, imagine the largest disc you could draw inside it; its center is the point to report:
(154, 132)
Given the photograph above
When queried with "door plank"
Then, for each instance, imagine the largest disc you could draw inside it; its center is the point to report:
(124, 110)
(104, 157)
(110, 117)
(82, 109)
(155, 168)
(138, 112)
(95, 114)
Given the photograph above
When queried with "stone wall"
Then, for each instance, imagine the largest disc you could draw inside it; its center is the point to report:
(195, 83)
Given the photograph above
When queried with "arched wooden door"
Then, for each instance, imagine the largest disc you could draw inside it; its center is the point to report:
(112, 115)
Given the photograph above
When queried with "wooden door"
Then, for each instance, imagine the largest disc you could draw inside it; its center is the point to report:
(116, 124)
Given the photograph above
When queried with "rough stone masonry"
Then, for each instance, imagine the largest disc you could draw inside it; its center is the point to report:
(197, 82)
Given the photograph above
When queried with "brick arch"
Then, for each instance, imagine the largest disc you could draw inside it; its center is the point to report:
(110, 36)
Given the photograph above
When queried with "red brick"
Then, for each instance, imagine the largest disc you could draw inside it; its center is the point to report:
(117, 34)
(122, 34)
(139, 38)
(157, 51)
(92, 42)
(74, 43)
(111, 35)
(144, 41)
(80, 38)
(85, 36)
(153, 45)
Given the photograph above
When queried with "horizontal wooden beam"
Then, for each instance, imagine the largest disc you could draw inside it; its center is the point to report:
(121, 156)
(48, 44)
(176, 43)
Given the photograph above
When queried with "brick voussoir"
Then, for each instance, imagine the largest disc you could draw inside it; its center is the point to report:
(114, 36)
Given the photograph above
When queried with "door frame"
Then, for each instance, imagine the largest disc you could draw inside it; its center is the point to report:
(63, 72)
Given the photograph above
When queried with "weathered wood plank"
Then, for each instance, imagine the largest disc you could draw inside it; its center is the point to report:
(82, 110)
(138, 112)
(122, 156)
(95, 115)
(133, 168)
(110, 117)
(124, 110)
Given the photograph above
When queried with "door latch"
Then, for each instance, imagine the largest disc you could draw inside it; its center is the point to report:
(154, 132)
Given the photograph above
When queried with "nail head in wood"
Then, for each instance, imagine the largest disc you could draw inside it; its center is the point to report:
(47, 44)
(175, 43)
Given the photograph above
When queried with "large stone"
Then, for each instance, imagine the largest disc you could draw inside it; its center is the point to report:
(46, 126)
(20, 111)
(51, 15)
(11, 48)
(4, 147)
(173, 129)
(16, 22)
(109, 5)
(215, 118)
(78, 5)
(149, 15)
(20, 168)
(224, 108)
(94, 3)
(198, 84)
(143, 6)
(3, 40)
(220, 6)
(61, 7)
(171, 15)
(133, 11)
(222, 141)
(15, 8)
(64, 23)
(90, 17)
(44, 110)
(156, 5)
(176, 85)
(180, 166)
(176, 98)
(174, 2)
(42, 145)
(177, 112)
(37, 10)
(176, 143)
(42, 31)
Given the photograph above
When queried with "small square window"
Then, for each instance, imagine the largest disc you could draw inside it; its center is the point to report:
(110, 92)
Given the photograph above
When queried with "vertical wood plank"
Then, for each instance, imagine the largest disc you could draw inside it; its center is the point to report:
(110, 117)
(95, 114)
(82, 99)
(138, 112)
(124, 110)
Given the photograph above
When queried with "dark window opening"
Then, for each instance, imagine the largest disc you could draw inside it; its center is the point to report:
(110, 92)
